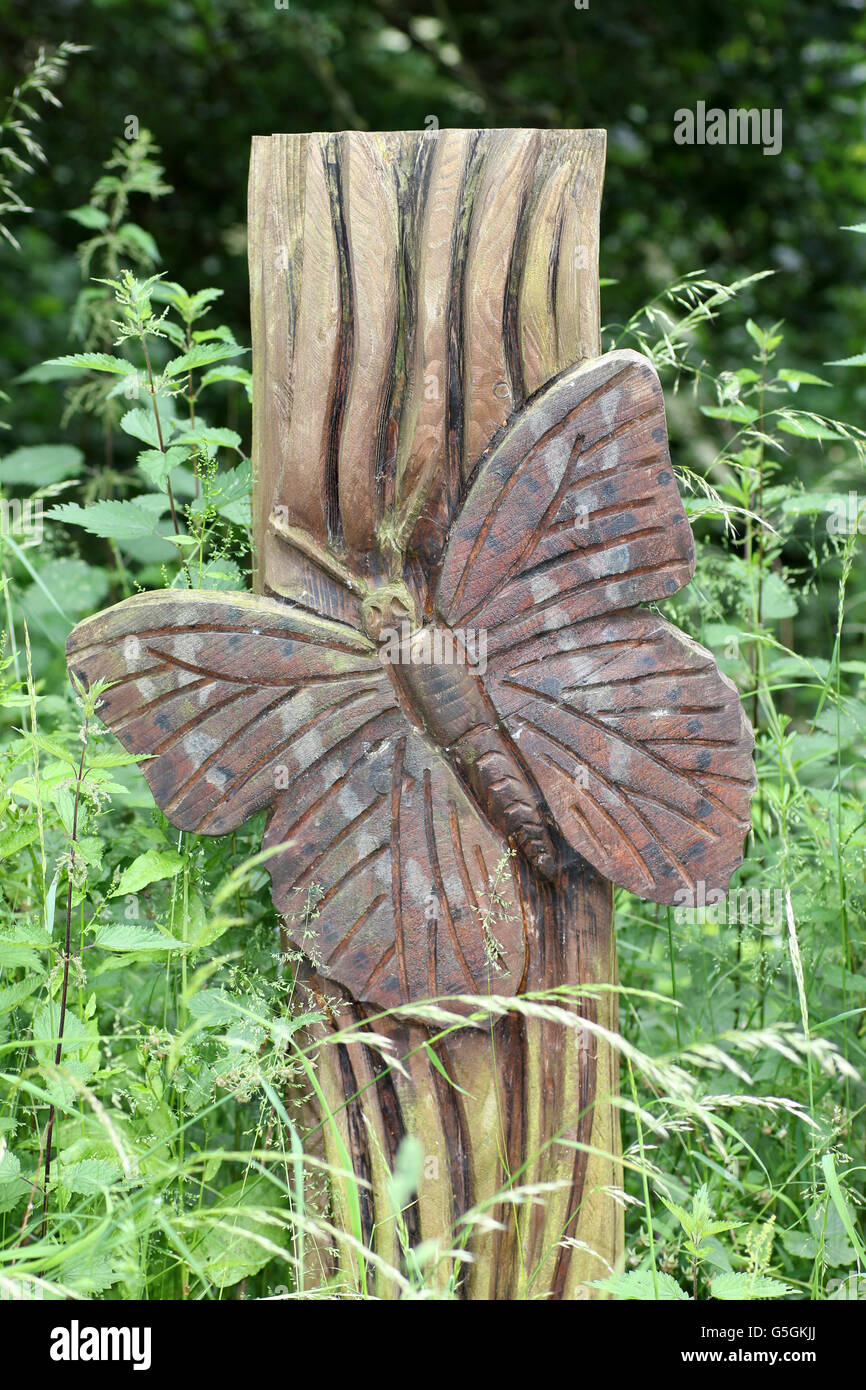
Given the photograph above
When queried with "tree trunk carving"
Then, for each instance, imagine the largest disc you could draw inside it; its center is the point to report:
(445, 690)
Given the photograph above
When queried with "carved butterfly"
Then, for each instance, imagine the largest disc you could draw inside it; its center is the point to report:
(396, 786)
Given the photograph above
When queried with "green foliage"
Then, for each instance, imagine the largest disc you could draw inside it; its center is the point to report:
(177, 1104)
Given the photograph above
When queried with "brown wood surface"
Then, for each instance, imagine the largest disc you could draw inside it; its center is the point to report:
(442, 457)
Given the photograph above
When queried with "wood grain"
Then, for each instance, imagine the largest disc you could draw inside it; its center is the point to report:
(498, 293)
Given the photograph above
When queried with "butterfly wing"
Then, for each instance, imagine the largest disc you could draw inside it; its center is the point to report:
(228, 695)
(242, 702)
(574, 510)
(638, 743)
(418, 895)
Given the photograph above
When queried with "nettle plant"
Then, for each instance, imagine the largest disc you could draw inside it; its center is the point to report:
(114, 240)
(773, 599)
(700, 1261)
(188, 501)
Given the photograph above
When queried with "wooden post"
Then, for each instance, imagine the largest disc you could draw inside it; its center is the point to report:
(410, 291)
(446, 690)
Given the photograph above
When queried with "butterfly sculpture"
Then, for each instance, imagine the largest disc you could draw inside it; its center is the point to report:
(515, 696)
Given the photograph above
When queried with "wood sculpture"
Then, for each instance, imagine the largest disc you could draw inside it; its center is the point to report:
(446, 691)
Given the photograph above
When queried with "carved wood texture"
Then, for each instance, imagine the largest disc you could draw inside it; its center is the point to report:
(445, 691)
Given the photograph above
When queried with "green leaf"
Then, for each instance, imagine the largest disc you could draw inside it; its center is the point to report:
(10, 1166)
(207, 435)
(808, 503)
(116, 520)
(39, 465)
(86, 1273)
(12, 995)
(140, 240)
(148, 868)
(846, 980)
(748, 1286)
(83, 586)
(213, 1007)
(638, 1284)
(739, 413)
(766, 339)
(238, 374)
(241, 1231)
(80, 1039)
(56, 750)
(129, 936)
(219, 573)
(796, 379)
(14, 1193)
(114, 760)
(141, 424)
(222, 334)
(202, 300)
(777, 600)
(14, 956)
(88, 216)
(435, 1062)
(823, 1238)
(231, 493)
(859, 360)
(805, 428)
(200, 355)
(157, 466)
(43, 372)
(89, 1177)
(13, 1188)
(95, 362)
(838, 1200)
(15, 838)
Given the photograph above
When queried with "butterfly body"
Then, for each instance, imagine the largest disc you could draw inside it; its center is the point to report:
(443, 691)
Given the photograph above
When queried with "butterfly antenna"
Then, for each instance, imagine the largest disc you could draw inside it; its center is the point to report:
(391, 549)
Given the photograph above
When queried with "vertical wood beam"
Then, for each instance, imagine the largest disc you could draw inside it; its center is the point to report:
(409, 292)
